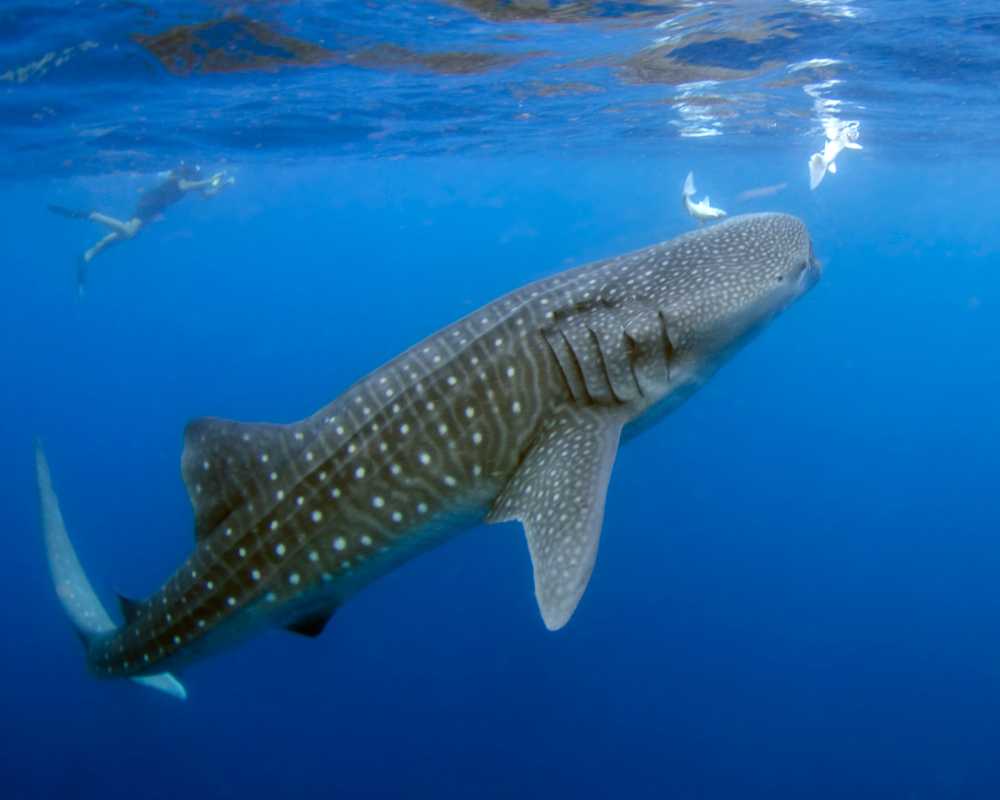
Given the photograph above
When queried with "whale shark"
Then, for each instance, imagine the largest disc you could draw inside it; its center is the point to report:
(514, 412)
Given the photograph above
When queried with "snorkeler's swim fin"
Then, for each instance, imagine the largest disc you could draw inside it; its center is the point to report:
(81, 277)
(69, 213)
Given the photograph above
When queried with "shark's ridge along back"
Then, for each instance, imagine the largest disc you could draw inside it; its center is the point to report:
(513, 413)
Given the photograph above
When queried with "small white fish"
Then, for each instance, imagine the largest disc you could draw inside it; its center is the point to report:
(761, 192)
(838, 137)
(701, 210)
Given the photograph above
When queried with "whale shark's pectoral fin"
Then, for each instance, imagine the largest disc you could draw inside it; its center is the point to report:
(558, 495)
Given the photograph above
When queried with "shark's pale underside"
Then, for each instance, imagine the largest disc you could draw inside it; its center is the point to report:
(513, 413)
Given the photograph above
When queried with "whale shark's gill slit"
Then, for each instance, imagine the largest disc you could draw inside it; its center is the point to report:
(602, 370)
(585, 348)
(632, 351)
(668, 345)
(575, 368)
(561, 370)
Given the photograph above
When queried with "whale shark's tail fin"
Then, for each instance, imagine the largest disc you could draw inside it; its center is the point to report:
(78, 598)
(817, 169)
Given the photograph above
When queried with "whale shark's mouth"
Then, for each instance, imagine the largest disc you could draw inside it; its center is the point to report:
(814, 262)
(811, 272)
(809, 277)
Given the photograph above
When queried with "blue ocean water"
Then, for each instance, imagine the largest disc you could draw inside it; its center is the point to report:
(796, 593)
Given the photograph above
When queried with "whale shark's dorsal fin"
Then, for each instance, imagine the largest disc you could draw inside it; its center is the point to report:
(558, 494)
(222, 460)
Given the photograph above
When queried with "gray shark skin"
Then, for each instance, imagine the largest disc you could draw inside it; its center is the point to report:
(513, 413)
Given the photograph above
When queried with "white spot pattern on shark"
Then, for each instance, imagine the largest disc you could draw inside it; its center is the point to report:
(514, 412)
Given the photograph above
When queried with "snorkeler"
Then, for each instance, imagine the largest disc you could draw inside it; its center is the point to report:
(178, 182)
(838, 136)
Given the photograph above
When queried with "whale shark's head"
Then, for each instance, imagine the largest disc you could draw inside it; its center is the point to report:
(727, 281)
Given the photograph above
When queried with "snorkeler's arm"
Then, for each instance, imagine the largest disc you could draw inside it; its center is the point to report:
(217, 182)
(210, 187)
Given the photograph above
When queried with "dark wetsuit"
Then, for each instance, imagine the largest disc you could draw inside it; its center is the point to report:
(155, 201)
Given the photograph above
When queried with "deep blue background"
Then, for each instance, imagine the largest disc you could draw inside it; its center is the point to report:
(798, 589)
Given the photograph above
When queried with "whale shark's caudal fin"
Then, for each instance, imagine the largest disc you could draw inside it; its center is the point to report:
(78, 598)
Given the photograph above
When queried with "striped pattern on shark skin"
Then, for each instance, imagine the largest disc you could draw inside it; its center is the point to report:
(514, 412)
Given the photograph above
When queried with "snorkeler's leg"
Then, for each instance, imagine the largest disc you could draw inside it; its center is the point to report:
(126, 229)
(98, 248)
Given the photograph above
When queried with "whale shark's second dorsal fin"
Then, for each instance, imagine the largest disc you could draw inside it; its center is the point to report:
(223, 461)
(130, 608)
